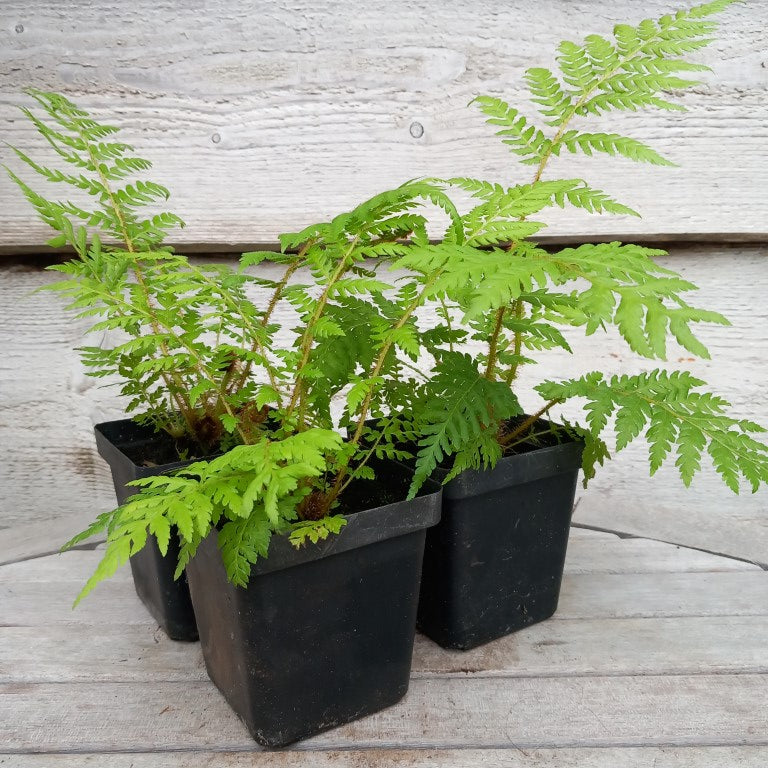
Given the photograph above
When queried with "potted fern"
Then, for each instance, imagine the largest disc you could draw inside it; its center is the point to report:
(494, 563)
(141, 290)
(235, 469)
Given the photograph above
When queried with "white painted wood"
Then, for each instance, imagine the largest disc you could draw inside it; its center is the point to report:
(578, 648)
(43, 538)
(623, 497)
(684, 686)
(643, 556)
(641, 595)
(264, 117)
(595, 552)
(90, 653)
(646, 595)
(48, 406)
(716, 710)
(632, 757)
(74, 566)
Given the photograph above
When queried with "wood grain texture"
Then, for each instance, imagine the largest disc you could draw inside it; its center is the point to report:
(606, 596)
(48, 407)
(588, 552)
(643, 556)
(264, 117)
(632, 757)
(141, 653)
(716, 710)
(664, 668)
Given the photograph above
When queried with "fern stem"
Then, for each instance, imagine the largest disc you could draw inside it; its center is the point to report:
(530, 421)
(700, 422)
(448, 324)
(280, 287)
(181, 398)
(413, 368)
(364, 460)
(278, 292)
(518, 344)
(583, 100)
(494, 343)
(376, 370)
(257, 346)
(170, 378)
(307, 337)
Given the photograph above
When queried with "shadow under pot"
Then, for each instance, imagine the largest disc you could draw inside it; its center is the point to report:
(134, 451)
(494, 564)
(322, 635)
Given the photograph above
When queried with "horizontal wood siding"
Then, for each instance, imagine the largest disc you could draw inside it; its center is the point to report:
(264, 116)
(53, 480)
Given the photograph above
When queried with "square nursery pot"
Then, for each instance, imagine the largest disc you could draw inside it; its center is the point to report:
(134, 451)
(494, 563)
(324, 634)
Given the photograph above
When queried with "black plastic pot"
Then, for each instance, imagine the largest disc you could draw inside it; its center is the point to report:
(126, 447)
(322, 635)
(494, 564)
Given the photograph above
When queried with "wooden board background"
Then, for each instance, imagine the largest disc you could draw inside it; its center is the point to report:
(52, 479)
(264, 116)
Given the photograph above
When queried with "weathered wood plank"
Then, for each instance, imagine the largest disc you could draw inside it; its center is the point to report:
(588, 552)
(659, 595)
(581, 647)
(266, 117)
(643, 556)
(717, 710)
(43, 386)
(584, 596)
(631, 757)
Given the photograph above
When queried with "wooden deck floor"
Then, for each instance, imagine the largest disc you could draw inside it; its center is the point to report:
(657, 657)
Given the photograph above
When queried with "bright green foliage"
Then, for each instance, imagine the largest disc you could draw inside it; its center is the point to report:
(523, 139)
(182, 339)
(199, 359)
(635, 70)
(315, 530)
(101, 169)
(520, 299)
(460, 408)
(611, 144)
(674, 415)
(250, 492)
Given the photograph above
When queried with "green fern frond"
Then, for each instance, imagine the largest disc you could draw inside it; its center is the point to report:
(553, 101)
(523, 139)
(674, 414)
(461, 405)
(255, 489)
(315, 530)
(610, 144)
(593, 201)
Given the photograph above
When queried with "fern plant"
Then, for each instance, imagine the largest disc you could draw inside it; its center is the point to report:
(518, 299)
(188, 336)
(199, 359)
(202, 360)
